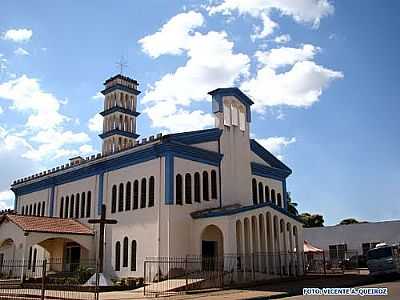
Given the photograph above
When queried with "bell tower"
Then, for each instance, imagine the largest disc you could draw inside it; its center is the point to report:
(119, 122)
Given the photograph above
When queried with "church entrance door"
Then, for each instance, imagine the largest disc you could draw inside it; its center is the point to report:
(72, 256)
(209, 251)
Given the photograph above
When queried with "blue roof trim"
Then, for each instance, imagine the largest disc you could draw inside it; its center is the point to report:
(120, 87)
(195, 137)
(268, 157)
(121, 161)
(119, 109)
(220, 213)
(120, 132)
(268, 172)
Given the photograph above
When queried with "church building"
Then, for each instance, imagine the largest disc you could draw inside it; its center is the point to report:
(207, 193)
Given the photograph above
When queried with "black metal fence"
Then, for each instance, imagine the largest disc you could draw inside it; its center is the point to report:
(169, 275)
(48, 279)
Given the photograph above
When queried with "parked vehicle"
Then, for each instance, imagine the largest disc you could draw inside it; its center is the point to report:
(384, 259)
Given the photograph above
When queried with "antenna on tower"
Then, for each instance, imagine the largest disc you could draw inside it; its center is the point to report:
(121, 64)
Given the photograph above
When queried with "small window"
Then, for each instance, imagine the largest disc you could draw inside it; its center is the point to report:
(34, 209)
(43, 208)
(214, 185)
(188, 189)
(39, 208)
(30, 210)
(143, 193)
(267, 197)
(197, 187)
(88, 204)
(136, 194)
(151, 191)
(235, 116)
(61, 207)
(133, 255)
(206, 192)
(66, 212)
(273, 197)
(117, 256)
(83, 205)
(254, 190)
(279, 200)
(77, 206)
(114, 199)
(178, 190)
(23, 210)
(227, 115)
(261, 192)
(125, 253)
(71, 208)
(121, 197)
(128, 196)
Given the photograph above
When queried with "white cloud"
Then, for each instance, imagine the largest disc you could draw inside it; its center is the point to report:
(302, 11)
(300, 86)
(27, 95)
(86, 149)
(173, 36)
(6, 199)
(18, 35)
(276, 144)
(282, 39)
(211, 64)
(98, 96)
(268, 28)
(3, 63)
(95, 123)
(21, 52)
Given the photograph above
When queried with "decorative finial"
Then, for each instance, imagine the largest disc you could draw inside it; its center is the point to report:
(121, 64)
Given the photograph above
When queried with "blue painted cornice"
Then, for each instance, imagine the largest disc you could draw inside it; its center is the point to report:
(119, 109)
(195, 137)
(268, 172)
(268, 157)
(119, 132)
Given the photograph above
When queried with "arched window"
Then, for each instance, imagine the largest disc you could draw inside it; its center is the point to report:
(30, 210)
(39, 209)
(61, 207)
(128, 196)
(88, 204)
(34, 260)
(83, 204)
(117, 256)
(34, 209)
(197, 194)
(125, 253)
(71, 208)
(206, 193)
(178, 191)
(214, 185)
(151, 191)
(114, 199)
(261, 192)
(43, 208)
(254, 190)
(279, 199)
(136, 194)
(23, 210)
(188, 188)
(121, 197)
(133, 256)
(267, 198)
(66, 211)
(143, 193)
(77, 206)
(273, 198)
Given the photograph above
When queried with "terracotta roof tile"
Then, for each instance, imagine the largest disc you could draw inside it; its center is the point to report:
(49, 224)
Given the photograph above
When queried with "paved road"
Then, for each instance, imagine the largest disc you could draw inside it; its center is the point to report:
(393, 293)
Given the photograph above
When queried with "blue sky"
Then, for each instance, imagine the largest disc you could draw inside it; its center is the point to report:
(322, 74)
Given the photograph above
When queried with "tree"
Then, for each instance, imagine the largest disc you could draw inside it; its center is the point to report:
(292, 206)
(349, 221)
(309, 220)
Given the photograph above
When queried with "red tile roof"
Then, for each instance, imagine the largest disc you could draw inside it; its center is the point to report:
(49, 224)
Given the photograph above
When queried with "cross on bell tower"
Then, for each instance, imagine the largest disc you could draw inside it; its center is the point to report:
(120, 103)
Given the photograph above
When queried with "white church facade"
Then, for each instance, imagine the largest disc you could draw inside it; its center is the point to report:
(209, 193)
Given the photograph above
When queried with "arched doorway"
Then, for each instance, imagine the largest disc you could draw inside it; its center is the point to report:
(212, 247)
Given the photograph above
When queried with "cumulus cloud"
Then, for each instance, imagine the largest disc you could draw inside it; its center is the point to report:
(18, 35)
(302, 11)
(21, 52)
(282, 39)
(95, 123)
(299, 86)
(211, 63)
(268, 28)
(6, 199)
(276, 144)
(98, 96)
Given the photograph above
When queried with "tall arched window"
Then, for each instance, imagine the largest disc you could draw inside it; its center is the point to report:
(273, 198)
(72, 207)
(83, 205)
(114, 199)
(117, 256)
(34, 209)
(23, 210)
(39, 208)
(214, 185)
(61, 207)
(178, 189)
(143, 193)
(128, 196)
(125, 253)
(197, 193)
(254, 190)
(188, 188)
(121, 197)
(151, 191)
(66, 211)
(261, 192)
(136, 194)
(43, 208)
(88, 204)
(30, 210)
(206, 192)
(133, 255)
(77, 206)
(279, 199)
(267, 197)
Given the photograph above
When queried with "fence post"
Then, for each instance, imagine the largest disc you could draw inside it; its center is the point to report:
(144, 279)
(43, 279)
(186, 273)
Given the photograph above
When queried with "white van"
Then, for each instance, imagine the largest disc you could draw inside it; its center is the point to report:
(383, 259)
